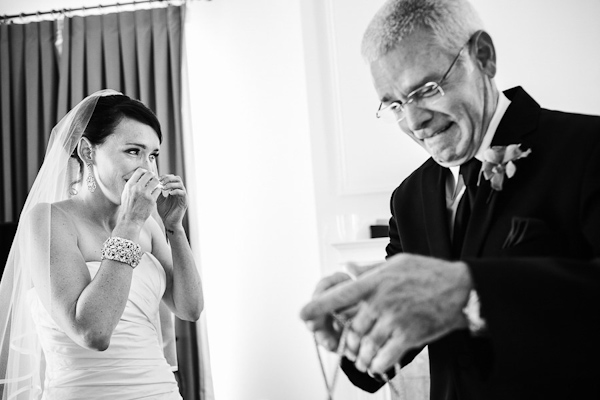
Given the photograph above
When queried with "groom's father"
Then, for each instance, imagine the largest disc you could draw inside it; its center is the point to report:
(506, 179)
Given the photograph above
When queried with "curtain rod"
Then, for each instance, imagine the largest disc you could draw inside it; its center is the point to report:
(66, 10)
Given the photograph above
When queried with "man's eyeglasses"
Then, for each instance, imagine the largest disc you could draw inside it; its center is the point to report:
(395, 111)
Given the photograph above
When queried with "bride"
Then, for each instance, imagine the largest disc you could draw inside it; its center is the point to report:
(90, 264)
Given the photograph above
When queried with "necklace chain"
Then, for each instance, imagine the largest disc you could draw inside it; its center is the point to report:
(330, 384)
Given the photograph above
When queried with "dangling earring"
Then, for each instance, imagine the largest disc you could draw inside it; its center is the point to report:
(91, 182)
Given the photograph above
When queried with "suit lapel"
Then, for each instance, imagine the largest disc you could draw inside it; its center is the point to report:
(520, 119)
(433, 192)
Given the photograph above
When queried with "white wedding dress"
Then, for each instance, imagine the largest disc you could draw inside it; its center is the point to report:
(133, 366)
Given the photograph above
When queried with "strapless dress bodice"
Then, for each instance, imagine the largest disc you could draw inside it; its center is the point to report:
(133, 366)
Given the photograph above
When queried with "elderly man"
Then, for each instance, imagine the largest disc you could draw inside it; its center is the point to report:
(506, 180)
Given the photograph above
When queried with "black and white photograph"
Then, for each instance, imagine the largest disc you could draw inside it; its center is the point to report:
(299, 200)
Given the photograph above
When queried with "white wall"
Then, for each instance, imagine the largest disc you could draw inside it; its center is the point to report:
(259, 249)
(550, 47)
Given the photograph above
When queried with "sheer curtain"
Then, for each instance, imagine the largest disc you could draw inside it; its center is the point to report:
(48, 67)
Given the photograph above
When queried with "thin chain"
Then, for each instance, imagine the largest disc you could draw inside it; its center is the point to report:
(393, 387)
(340, 350)
(330, 385)
(329, 390)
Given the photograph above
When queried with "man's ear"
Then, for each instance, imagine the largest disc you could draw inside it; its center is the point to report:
(85, 151)
(484, 52)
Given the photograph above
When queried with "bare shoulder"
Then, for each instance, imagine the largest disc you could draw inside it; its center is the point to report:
(53, 214)
(39, 213)
(53, 240)
(64, 214)
(53, 220)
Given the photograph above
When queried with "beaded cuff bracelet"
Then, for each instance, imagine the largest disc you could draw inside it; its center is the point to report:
(122, 250)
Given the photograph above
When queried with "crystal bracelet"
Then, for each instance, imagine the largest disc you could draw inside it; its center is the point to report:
(122, 250)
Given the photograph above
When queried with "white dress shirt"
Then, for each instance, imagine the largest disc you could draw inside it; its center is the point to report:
(455, 185)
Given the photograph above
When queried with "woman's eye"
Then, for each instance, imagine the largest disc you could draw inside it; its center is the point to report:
(134, 152)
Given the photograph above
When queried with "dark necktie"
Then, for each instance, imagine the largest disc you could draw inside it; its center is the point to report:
(470, 173)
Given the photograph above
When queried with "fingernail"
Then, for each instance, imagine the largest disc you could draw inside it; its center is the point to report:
(352, 340)
(350, 356)
(360, 366)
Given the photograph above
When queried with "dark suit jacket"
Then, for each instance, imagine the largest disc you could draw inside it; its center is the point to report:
(543, 328)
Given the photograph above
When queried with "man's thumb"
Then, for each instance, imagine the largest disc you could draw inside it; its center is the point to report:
(357, 270)
(339, 297)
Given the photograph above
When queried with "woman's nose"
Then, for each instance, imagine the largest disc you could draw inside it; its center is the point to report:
(153, 167)
(149, 165)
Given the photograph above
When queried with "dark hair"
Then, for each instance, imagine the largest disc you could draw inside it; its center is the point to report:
(108, 113)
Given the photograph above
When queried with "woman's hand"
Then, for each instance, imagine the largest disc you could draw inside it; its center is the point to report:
(139, 197)
(172, 203)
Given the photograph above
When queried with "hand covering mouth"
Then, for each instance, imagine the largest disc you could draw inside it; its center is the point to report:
(160, 185)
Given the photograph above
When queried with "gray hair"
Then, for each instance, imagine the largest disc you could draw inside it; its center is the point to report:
(452, 22)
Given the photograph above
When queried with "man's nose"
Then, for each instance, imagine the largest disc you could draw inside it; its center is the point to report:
(417, 117)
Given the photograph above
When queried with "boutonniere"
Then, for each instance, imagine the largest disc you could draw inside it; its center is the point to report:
(498, 162)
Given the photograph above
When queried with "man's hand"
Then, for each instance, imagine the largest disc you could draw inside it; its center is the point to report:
(325, 327)
(405, 303)
(328, 328)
